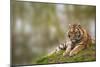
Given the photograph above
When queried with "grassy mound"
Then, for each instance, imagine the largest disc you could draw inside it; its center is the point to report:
(88, 54)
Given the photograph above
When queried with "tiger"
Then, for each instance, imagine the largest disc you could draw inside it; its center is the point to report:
(78, 39)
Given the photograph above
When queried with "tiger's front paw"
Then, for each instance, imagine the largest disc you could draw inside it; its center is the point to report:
(65, 53)
(72, 53)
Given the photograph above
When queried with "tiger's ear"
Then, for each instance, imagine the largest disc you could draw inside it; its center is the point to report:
(79, 25)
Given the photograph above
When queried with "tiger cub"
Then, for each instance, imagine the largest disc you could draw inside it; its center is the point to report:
(78, 39)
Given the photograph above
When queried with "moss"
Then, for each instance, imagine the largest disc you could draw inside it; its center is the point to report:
(88, 54)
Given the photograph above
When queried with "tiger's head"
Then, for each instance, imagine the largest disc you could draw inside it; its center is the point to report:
(75, 33)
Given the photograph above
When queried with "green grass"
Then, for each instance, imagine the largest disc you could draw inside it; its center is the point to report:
(83, 56)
